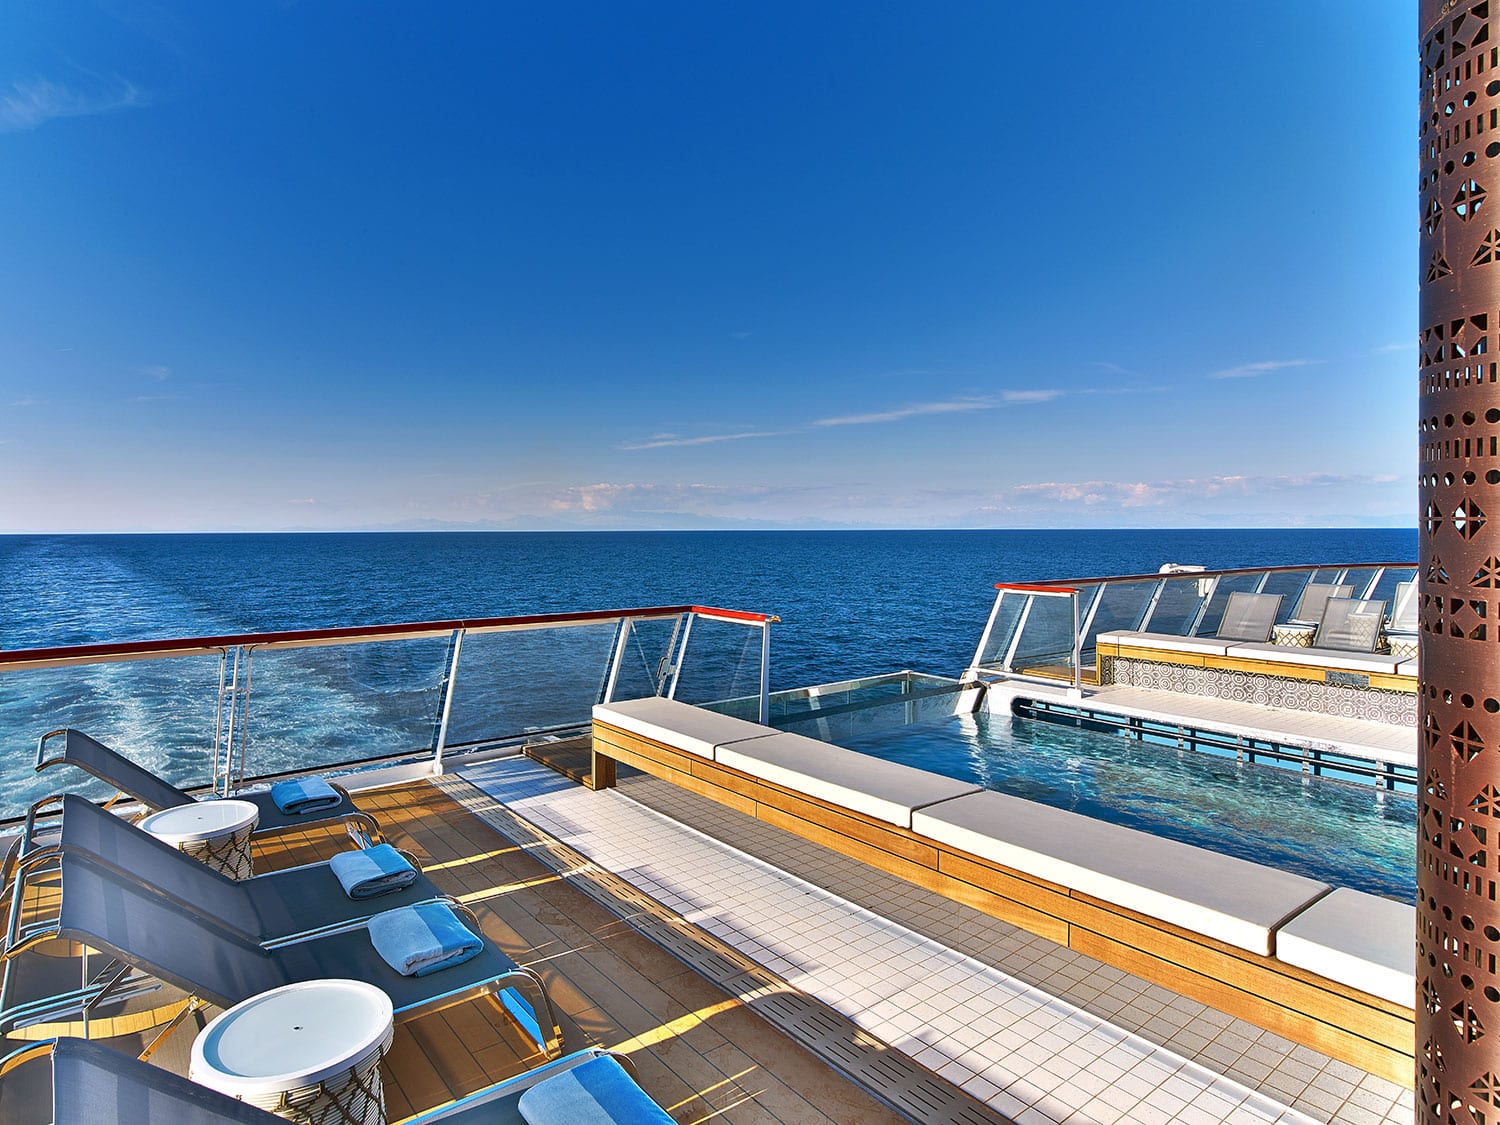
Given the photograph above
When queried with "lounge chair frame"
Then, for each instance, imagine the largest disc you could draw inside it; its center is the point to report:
(80, 887)
(132, 780)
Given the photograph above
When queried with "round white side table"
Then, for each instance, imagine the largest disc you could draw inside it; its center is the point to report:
(215, 832)
(309, 1052)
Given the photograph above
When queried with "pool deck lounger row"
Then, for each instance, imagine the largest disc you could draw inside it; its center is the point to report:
(1358, 941)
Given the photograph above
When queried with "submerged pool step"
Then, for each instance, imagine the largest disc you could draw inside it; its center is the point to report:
(1396, 777)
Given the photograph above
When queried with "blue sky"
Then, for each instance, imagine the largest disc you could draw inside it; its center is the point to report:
(349, 265)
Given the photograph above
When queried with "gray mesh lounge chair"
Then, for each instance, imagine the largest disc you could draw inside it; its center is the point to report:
(92, 756)
(101, 909)
(74, 1080)
(69, 1080)
(1249, 617)
(267, 908)
(1350, 624)
(1315, 595)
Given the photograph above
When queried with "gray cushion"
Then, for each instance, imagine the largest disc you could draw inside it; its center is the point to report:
(1361, 940)
(678, 725)
(885, 790)
(1218, 896)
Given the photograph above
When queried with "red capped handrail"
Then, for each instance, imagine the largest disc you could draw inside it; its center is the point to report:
(107, 652)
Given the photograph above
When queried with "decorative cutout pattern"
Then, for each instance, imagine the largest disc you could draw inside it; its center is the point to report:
(1458, 697)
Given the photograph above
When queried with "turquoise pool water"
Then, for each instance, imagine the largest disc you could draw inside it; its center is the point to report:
(1342, 833)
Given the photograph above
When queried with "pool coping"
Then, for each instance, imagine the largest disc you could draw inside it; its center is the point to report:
(1198, 948)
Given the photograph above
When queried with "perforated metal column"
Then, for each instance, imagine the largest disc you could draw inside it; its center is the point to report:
(1458, 852)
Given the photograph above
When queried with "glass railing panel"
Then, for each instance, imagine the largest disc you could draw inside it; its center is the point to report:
(159, 713)
(519, 682)
(1009, 605)
(1289, 584)
(721, 661)
(1122, 607)
(1045, 645)
(1178, 604)
(646, 664)
(1213, 614)
(1384, 589)
(312, 708)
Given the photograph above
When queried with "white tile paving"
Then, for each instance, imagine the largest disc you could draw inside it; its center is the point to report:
(1030, 1055)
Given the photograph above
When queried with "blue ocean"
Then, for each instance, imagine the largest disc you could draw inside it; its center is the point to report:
(851, 603)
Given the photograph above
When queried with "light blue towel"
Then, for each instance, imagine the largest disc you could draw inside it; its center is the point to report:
(597, 1092)
(299, 795)
(418, 940)
(368, 872)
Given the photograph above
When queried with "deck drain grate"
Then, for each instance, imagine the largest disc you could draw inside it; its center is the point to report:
(885, 1072)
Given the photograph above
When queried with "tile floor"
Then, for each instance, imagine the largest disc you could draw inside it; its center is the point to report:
(1094, 1045)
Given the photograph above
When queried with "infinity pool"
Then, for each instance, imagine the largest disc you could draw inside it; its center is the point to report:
(1342, 833)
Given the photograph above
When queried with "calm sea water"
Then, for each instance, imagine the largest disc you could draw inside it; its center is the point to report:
(850, 603)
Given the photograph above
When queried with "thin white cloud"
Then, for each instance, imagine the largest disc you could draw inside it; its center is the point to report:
(158, 371)
(31, 103)
(956, 406)
(1141, 494)
(156, 398)
(1040, 395)
(665, 441)
(1386, 349)
(307, 500)
(691, 497)
(29, 400)
(1264, 367)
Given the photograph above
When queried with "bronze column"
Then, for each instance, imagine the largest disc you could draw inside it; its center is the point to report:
(1458, 709)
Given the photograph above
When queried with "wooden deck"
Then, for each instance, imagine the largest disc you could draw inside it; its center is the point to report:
(702, 1054)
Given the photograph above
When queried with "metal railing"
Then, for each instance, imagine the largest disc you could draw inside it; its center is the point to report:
(1048, 630)
(223, 712)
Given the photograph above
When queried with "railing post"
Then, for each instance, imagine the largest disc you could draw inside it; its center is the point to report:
(765, 673)
(440, 744)
(621, 644)
(1077, 692)
(681, 658)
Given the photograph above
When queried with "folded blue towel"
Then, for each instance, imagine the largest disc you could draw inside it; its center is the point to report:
(368, 872)
(299, 795)
(418, 940)
(597, 1092)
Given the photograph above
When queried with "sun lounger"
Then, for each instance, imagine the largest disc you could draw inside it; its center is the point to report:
(1350, 625)
(268, 909)
(67, 1080)
(1315, 595)
(99, 907)
(1249, 617)
(92, 756)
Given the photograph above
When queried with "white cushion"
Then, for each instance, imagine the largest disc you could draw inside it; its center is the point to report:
(885, 790)
(1361, 940)
(1167, 642)
(1219, 896)
(1317, 657)
(678, 725)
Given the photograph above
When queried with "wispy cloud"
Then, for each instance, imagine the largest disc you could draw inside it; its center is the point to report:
(1040, 395)
(955, 406)
(1386, 349)
(29, 400)
(30, 103)
(1264, 367)
(1141, 494)
(158, 371)
(665, 441)
(690, 497)
(156, 398)
(306, 500)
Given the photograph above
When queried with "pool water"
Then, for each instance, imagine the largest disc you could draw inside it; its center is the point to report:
(1342, 833)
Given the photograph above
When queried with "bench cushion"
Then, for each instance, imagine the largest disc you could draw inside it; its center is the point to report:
(679, 725)
(1219, 896)
(1167, 642)
(885, 790)
(1361, 940)
(1317, 657)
